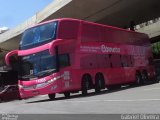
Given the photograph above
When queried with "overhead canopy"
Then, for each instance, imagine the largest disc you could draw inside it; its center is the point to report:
(112, 12)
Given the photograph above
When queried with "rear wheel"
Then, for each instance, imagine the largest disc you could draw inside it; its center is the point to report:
(52, 96)
(99, 82)
(155, 79)
(85, 85)
(139, 80)
(113, 87)
(145, 76)
(67, 94)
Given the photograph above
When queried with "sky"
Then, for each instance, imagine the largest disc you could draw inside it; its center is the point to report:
(14, 12)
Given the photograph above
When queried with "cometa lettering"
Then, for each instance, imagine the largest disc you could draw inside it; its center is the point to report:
(109, 49)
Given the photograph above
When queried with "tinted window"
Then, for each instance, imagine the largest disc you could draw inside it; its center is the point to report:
(68, 30)
(38, 35)
(90, 32)
(64, 60)
(115, 60)
(37, 65)
(126, 61)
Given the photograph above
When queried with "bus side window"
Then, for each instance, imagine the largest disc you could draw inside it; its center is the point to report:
(102, 61)
(64, 60)
(110, 57)
(131, 61)
(68, 30)
(117, 60)
(124, 61)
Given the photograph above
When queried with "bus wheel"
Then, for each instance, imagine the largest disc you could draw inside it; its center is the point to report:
(99, 82)
(85, 85)
(139, 80)
(52, 96)
(145, 76)
(67, 94)
(113, 87)
(155, 79)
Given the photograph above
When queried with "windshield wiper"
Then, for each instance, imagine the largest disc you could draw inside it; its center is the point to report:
(29, 76)
(45, 72)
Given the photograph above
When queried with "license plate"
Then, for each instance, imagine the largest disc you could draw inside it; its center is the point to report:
(35, 92)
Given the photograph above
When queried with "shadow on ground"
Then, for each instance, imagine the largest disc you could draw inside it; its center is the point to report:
(90, 94)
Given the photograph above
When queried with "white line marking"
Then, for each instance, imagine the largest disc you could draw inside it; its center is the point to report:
(152, 89)
(136, 100)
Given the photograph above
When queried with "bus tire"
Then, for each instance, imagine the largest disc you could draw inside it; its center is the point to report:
(67, 94)
(52, 96)
(145, 76)
(139, 80)
(86, 84)
(113, 87)
(155, 79)
(99, 82)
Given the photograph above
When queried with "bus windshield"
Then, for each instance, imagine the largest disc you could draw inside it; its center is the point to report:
(37, 65)
(38, 35)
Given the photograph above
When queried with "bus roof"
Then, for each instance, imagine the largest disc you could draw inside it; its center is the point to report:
(72, 19)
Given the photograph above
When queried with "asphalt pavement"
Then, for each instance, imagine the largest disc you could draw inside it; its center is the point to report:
(127, 100)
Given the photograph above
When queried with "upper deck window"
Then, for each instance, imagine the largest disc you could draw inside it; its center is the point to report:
(68, 29)
(38, 35)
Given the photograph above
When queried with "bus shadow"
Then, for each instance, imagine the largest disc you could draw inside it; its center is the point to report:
(90, 94)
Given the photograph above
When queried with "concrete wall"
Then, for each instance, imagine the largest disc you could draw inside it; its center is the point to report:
(153, 30)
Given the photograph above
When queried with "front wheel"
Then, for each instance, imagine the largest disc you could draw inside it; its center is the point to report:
(67, 94)
(52, 96)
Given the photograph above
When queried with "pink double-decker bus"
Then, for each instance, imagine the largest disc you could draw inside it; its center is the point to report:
(69, 55)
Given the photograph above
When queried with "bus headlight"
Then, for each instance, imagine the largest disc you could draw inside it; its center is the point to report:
(41, 85)
(27, 87)
(50, 81)
(20, 86)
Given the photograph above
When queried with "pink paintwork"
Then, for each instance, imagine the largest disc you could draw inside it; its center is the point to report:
(10, 54)
(93, 48)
